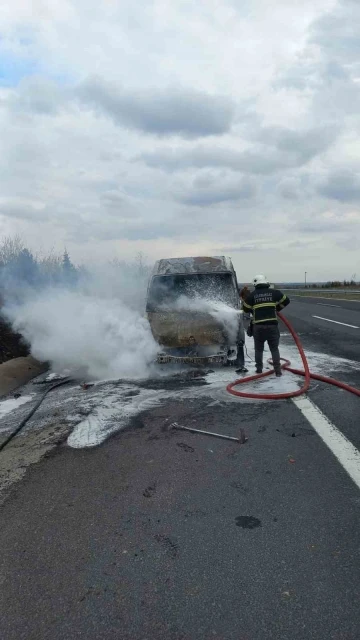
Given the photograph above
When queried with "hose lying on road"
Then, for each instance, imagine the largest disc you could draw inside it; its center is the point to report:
(289, 394)
(230, 388)
(31, 413)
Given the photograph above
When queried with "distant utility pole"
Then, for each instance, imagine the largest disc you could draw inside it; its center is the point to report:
(305, 278)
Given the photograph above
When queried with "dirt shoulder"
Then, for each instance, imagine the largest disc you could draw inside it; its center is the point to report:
(27, 450)
(18, 371)
(24, 451)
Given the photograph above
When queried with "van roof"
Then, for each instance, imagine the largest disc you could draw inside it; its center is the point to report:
(198, 264)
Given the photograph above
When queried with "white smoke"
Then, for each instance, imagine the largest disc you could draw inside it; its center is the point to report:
(225, 316)
(97, 329)
(99, 338)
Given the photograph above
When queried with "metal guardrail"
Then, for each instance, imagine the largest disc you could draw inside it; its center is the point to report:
(321, 290)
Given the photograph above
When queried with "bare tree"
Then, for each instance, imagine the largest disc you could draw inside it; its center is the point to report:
(10, 248)
(50, 266)
(142, 266)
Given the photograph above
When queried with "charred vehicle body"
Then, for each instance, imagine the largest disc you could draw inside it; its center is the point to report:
(194, 310)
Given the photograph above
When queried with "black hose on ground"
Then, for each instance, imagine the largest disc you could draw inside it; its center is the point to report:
(31, 413)
(246, 351)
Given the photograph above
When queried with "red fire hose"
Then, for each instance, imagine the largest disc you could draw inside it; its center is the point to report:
(289, 394)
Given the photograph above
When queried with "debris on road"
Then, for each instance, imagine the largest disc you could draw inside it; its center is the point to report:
(241, 440)
(87, 385)
(149, 491)
(248, 522)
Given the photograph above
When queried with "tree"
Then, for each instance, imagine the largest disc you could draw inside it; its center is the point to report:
(18, 274)
(10, 248)
(25, 268)
(50, 267)
(68, 269)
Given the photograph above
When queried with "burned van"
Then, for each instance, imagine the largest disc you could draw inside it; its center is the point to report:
(193, 308)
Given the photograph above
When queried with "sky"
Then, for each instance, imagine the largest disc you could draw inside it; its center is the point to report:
(175, 128)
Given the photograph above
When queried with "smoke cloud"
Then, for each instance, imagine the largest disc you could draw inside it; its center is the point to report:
(91, 323)
(92, 337)
(225, 316)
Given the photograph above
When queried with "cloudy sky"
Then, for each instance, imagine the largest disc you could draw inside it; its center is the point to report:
(175, 127)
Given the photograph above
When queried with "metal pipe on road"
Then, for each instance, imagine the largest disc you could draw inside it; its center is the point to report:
(175, 425)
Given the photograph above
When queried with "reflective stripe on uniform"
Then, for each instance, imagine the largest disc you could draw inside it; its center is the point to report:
(265, 304)
(247, 305)
(282, 299)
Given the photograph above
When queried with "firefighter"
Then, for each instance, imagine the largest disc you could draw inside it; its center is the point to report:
(240, 359)
(244, 293)
(263, 303)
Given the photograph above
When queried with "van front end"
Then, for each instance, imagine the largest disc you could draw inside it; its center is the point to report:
(195, 317)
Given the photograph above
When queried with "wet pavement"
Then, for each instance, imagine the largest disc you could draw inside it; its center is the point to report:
(160, 534)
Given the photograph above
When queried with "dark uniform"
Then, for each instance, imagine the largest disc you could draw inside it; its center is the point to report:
(263, 303)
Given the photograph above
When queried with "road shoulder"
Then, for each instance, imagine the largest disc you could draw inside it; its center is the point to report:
(17, 372)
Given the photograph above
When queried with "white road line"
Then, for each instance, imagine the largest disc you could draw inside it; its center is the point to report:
(341, 447)
(323, 304)
(336, 322)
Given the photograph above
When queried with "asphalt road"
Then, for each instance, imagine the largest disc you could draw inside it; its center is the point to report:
(161, 534)
(346, 305)
(337, 340)
(328, 326)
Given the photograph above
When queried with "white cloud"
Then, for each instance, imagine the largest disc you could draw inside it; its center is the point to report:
(178, 128)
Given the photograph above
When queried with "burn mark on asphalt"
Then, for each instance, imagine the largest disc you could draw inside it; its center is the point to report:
(169, 544)
(196, 513)
(296, 433)
(248, 522)
(136, 422)
(186, 447)
(239, 486)
(149, 491)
